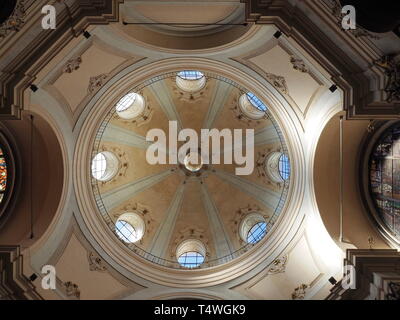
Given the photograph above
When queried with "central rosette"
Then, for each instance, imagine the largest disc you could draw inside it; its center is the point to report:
(193, 161)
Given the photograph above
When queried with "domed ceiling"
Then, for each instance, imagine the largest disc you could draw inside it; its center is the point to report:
(189, 214)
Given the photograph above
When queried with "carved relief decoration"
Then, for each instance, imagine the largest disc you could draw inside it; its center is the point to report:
(240, 214)
(298, 64)
(190, 97)
(72, 65)
(261, 166)
(391, 66)
(336, 8)
(123, 163)
(97, 82)
(143, 118)
(300, 292)
(190, 233)
(15, 22)
(279, 265)
(144, 212)
(241, 116)
(96, 263)
(72, 289)
(278, 82)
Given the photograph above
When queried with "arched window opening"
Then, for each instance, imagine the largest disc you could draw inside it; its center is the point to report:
(130, 106)
(256, 102)
(130, 227)
(277, 167)
(191, 253)
(284, 167)
(253, 228)
(105, 166)
(249, 108)
(190, 80)
(257, 232)
(191, 75)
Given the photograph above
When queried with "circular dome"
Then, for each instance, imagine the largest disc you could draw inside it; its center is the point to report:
(190, 80)
(384, 181)
(130, 106)
(189, 223)
(104, 166)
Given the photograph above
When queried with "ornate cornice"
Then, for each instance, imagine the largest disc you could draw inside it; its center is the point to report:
(376, 273)
(14, 285)
(72, 21)
(359, 101)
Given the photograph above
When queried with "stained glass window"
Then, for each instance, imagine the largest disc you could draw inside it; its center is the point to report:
(191, 259)
(384, 177)
(3, 175)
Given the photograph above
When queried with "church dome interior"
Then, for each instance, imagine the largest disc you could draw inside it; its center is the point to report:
(199, 150)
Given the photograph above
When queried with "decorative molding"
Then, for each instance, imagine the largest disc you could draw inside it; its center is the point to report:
(144, 212)
(261, 166)
(298, 64)
(376, 275)
(72, 65)
(241, 116)
(391, 66)
(279, 265)
(359, 100)
(16, 21)
(299, 293)
(190, 233)
(190, 97)
(14, 285)
(394, 291)
(72, 290)
(95, 83)
(240, 214)
(144, 118)
(21, 71)
(96, 263)
(123, 162)
(278, 82)
(336, 8)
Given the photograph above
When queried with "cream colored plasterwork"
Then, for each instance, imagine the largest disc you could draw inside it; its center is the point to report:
(97, 82)
(279, 265)
(144, 212)
(96, 263)
(144, 118)
(240, 214)
(123, 163)
(260, 165)
(186, 234)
